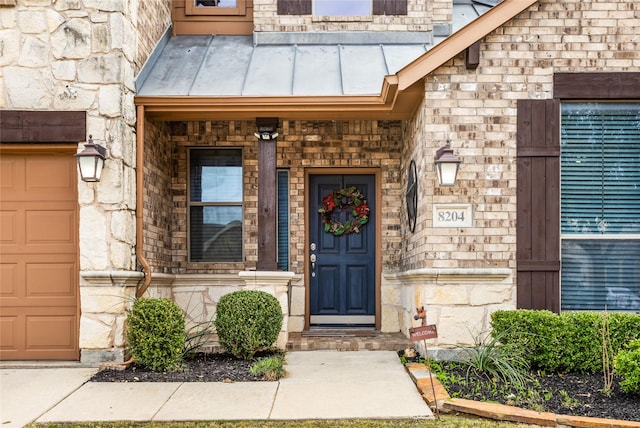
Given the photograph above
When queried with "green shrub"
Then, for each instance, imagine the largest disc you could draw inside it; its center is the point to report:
(272, 368)
(538, 332)
(627, 366)
(570, 342)
(156, 334)
(496, 360)
(623, 327)
(248, 321)
(582, 342)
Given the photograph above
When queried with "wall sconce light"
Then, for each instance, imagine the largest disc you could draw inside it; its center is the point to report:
(447, 165)
(266, 135)
(91, 161)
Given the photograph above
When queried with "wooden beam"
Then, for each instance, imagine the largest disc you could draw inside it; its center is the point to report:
(25, 126)
(267, 209)
(472, 56)
(625, 85)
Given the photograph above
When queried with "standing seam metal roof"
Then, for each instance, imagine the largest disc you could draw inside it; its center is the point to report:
(210, 66)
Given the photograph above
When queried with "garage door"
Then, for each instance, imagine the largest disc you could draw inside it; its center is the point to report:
(38, 255)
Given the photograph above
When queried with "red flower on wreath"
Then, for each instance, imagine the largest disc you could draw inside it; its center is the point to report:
(362, 210)
(349, 200)
(329, 203)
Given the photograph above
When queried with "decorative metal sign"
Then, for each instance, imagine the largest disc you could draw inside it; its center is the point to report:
(424, 332)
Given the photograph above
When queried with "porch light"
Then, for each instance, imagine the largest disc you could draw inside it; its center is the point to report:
(266, 135)
(447, 165)
(91, 161)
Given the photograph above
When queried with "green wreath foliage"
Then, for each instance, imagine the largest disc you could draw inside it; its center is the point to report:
(347, 199)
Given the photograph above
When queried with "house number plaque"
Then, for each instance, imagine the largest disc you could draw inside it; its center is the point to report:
(452, 215)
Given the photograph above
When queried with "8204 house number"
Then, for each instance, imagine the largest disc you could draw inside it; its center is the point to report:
(452, 215)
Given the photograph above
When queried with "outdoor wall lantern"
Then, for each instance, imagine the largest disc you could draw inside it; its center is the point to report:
(91, 161)
(266, 135)
(447, 165)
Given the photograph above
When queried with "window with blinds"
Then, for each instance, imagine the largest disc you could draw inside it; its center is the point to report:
(600, 206)
(215, 205)
(283, 220)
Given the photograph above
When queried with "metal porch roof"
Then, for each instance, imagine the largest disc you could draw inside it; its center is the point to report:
(298, 64)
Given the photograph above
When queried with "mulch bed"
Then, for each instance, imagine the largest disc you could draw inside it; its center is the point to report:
(202, 367)
(568, 394)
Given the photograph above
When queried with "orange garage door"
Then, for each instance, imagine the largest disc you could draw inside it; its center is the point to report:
(38, 255)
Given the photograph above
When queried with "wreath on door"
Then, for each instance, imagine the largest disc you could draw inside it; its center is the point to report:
(348, 199)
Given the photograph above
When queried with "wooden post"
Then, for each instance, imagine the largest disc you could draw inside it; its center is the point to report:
(267, 215)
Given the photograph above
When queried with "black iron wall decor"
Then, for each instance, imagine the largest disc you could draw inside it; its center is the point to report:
(412, 195)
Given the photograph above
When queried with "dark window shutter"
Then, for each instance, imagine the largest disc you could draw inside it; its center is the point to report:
(294, 7)
(538, 205)
(389, 7)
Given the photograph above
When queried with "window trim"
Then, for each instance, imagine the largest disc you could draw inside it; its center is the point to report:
(192, 9)
(189, 203)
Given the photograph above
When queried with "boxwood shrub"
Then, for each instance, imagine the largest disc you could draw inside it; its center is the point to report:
(156, 334)
(571, 341)
(248, 321)
(627, 366)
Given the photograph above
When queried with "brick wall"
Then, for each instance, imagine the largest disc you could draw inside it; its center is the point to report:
(442, 11)
(153, 19)
(158, 195)
(476, 110)
(300, 145)
(266, 19)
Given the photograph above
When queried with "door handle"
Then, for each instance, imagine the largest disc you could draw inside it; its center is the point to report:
(312, 258)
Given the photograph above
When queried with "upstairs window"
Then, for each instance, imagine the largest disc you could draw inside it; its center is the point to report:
(600, 206)
(342, 7)
(215, 205)
(215, 7)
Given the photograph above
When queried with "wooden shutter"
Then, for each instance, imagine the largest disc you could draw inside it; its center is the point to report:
(389, 7)
(294, 7)
(538, 205)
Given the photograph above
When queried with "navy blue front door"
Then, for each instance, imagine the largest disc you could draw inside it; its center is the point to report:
(342, 278)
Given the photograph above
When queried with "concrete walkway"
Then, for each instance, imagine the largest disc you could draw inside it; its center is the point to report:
(319, 385)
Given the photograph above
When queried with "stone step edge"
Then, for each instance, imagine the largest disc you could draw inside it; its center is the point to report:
(501, 412)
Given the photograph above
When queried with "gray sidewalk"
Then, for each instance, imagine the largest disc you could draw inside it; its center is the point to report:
(319, 385)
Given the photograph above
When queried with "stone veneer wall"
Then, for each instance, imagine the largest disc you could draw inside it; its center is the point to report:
(462, 275)
(83, 56)
(418, 18)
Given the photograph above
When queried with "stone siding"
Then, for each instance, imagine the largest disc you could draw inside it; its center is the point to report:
(476, 111)
(83, 56)
(418, 18)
